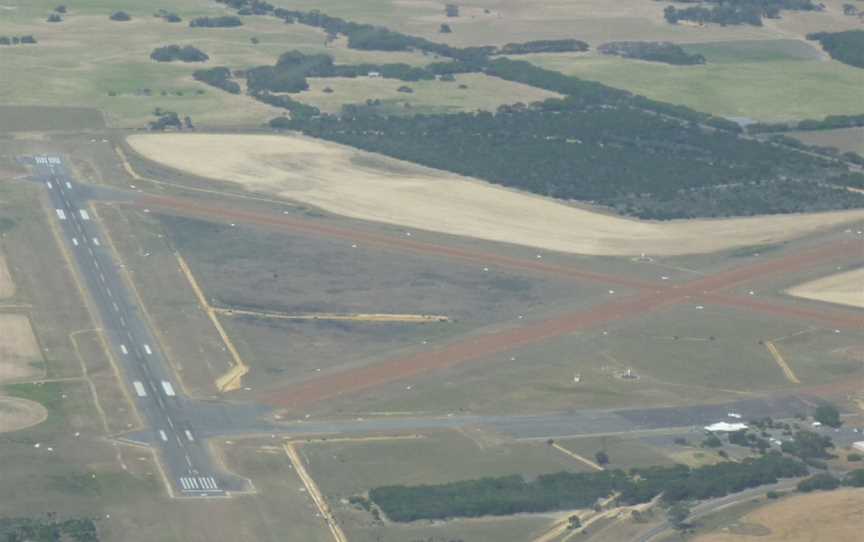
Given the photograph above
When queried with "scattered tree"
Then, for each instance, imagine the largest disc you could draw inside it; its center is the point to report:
(602, 458)
(54, 18)
(445, 29)
(827, 414)
(677, 515)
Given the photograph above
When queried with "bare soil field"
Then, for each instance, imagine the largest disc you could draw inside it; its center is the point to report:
(843, 288)
(19, 353)
(366, 186)
(824, 515)
(17, 414)
(7, 287)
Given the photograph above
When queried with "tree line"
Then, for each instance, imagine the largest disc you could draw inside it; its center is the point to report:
(376, 38)
(16, 40)
(219, 77)
(846, 47)
(653, 51)
(831, 122)
(292, 68)
(566, 490)
(735, 12)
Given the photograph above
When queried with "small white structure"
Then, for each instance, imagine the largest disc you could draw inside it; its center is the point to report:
(725, 427)
(859, 445)
(734, 415)
(375, 75)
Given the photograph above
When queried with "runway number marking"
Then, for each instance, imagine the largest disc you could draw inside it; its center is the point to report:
(139, 389)
(163, 436)
(50, 186)
(75, 241)
(189, 436)
(61, 214)
(96, 241)
(124, 349)
(147, 349)
(169, 389)
(84, 214)
(68, 185)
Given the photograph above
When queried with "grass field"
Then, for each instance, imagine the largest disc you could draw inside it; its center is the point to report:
(762, 80)
(830, 515)
(488, 22)
(366, 186)
(844, 139)
(260, 270)
(482, 93)
(62, 69)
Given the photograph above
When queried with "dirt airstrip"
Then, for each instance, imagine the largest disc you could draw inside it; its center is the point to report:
(7, 287)
(367, 186)
(843, 288)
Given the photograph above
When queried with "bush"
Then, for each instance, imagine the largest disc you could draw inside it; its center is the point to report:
(54, 18)
(602, 457)
(120, 16)
(60, 9)
(854, 478)
(712, 442)
(818, 482)
(854, 456)
(170, 53)
(226, 21)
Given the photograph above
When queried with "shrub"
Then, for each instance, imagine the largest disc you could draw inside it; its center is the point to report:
(120, 16)
(823, 482)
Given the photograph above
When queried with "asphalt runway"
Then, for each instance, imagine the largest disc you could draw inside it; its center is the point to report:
(173, 420)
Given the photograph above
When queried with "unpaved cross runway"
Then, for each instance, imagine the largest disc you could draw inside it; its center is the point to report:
(366, 186)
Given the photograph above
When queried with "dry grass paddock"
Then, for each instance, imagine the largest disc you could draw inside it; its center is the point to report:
(19, 353)
(845, 288)
(832, 515)
(367, 186)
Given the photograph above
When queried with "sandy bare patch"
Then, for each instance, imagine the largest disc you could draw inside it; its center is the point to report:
(17, 413)
(368, 186)
(829, 515)
(843, 288)
(7, 287)
(18, 349)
